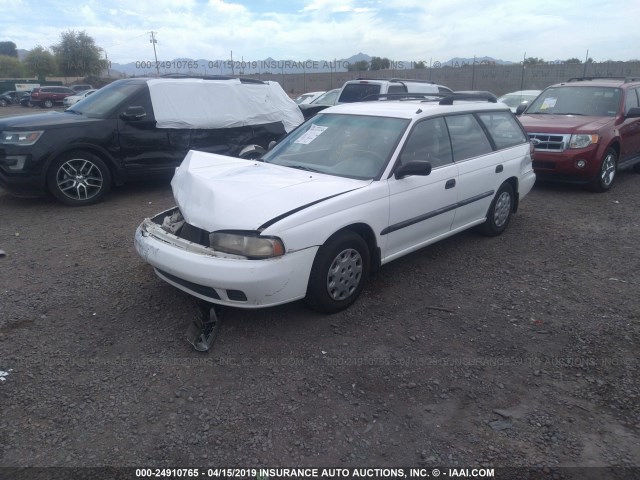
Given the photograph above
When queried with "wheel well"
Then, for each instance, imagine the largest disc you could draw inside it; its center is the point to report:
(513, 181)
(616, 147)
(105, 158)
(369, 237)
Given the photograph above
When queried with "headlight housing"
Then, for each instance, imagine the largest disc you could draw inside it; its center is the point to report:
(246, 244)
(21, 138)
(582, 140)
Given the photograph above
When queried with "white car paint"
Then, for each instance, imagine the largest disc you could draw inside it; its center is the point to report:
(304, 209)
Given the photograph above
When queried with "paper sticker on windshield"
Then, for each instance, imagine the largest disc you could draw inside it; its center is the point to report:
(311, 134)
(549, 102)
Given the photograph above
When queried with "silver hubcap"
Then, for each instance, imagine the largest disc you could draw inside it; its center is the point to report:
(344, 274)
(503, 207)
(608, 170)
(79, 179)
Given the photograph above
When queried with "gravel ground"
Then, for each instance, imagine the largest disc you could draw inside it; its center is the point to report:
(519, 350)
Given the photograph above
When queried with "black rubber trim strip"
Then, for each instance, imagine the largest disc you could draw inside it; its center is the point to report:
(434, 213)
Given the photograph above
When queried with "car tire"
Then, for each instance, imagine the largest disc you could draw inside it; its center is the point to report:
(608, 167)
(500, 211)
(79, 178)
(47, 103)
(339, 273)
(3, 102)
(636, 168)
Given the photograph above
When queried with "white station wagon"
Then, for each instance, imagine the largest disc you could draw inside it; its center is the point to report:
(353, 188)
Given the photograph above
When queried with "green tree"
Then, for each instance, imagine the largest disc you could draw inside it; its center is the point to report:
(40, 62)
(359, 66)
(378, 63)
(420, 65)
(573, 60)
(9, 49)
(10, 67)
(78, 55)
(534, 61)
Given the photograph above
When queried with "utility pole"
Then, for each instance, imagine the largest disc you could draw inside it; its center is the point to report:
(153, 41)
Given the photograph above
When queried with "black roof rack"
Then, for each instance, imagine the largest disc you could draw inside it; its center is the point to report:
(441, 98)
(402, 96)
(624, 79)
(414, 80)
(211, 77)
(450, 97)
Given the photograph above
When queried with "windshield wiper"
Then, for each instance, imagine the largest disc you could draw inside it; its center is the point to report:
(304, 167)
(570, 113)
(70, 110)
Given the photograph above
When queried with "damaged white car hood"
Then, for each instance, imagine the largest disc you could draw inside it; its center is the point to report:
(216, 192)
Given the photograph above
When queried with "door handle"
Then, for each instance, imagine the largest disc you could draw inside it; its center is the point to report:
(450, 184)
(499, 168)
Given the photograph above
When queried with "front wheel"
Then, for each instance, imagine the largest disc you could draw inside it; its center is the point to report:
(47, 103)
(604, 180)
(3, 102)
(79, 178)
(499, 212)
(339, 272)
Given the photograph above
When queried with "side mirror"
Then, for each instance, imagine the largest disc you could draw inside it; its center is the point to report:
(414, 167)
(633, 113)
(272, 144)
(521, 108)
(133, 113)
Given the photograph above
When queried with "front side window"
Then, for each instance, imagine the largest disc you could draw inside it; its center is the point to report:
(467, 137)
(353, 146)
(105, 100)
(503, 128)
(429, 141)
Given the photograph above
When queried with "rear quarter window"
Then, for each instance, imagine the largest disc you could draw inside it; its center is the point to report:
(356, 92)
(503, 128)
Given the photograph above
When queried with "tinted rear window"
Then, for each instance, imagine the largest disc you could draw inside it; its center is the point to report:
(356, 92)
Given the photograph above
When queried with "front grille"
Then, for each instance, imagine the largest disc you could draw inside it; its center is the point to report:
(549, 142)
(194, 234)
(201, 289)
(538, 165)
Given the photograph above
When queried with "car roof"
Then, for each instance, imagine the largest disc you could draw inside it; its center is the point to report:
(410, 109)
(599, 82)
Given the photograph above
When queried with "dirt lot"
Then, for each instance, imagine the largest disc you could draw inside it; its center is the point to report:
(520, 350)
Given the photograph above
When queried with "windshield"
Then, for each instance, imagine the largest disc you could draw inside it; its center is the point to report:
(328, 98)
(515, 100)
(101, 103)
(575, 100)
(353, 146)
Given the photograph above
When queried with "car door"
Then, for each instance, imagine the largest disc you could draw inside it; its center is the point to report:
(630, 127)
(480, 170)
(422, 207)
(144, 148)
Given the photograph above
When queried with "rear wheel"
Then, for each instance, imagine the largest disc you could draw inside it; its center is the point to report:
(3, 102)
(79, 178)
(604, 180)
(339, 272)
(499, 212)
(47, 103)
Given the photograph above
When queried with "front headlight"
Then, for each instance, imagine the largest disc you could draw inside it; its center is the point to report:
(21, 138)
(583, 140)
(247, 244)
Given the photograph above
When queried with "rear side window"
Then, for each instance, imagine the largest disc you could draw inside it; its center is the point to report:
(397, 89)
(467, 137)
(356, 92)
(503, 128)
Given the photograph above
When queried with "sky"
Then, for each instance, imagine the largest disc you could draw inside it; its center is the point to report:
(300, 30)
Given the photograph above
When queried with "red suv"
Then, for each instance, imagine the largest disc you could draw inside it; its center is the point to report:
(46, 97)
(585, 129)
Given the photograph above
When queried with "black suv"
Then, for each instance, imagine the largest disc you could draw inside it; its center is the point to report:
(137, 127)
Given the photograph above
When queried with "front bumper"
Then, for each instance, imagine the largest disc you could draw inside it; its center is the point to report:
(562, 166)
(219, 278)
